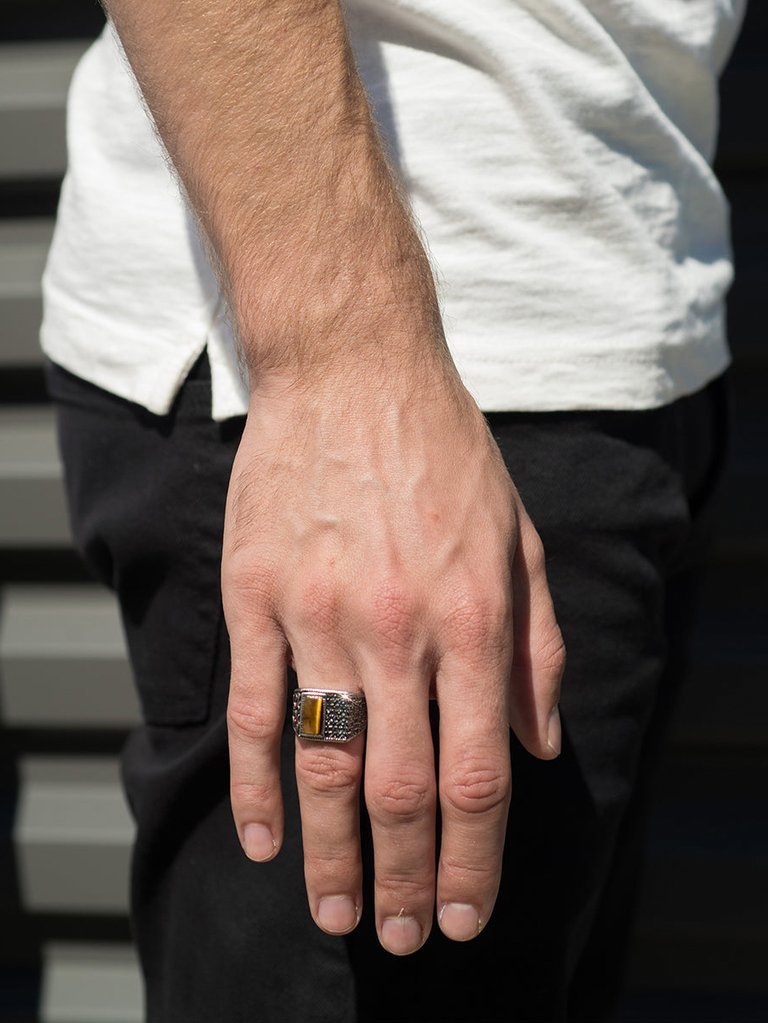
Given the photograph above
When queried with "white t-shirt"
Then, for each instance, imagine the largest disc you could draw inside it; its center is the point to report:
(557, 156)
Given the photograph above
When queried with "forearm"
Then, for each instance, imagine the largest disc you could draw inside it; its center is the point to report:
(263, 114)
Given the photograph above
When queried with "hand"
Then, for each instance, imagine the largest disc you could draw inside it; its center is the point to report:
(375, 541)
(373, 537)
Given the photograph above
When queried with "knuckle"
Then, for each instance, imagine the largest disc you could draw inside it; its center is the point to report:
(550, 655)
(251, 793)
(478, 786)
(470, 873)
(404, 890)
(477, 618)
(401, 801)
(251, 721)
(244, 581)
(326, 771)
(326, 864)
(535, 555)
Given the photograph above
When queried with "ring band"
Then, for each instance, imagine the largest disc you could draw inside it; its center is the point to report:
(327, 715)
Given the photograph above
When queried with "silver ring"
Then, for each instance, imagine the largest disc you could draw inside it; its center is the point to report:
(327, 715)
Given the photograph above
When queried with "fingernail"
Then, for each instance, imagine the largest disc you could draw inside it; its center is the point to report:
(337, 914)
(554, 731)
(259, 843)
(401, 935)
(459, 921)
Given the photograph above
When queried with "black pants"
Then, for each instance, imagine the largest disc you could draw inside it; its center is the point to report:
(623, 502)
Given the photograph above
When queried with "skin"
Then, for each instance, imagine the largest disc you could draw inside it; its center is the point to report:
(374, 539)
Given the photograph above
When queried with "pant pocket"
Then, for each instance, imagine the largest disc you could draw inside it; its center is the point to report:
(146, 499)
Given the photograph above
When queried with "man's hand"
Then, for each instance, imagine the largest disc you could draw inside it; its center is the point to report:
(373, 534)
(374, 537)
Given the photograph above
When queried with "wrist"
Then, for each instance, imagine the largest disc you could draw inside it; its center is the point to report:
(378, 361)
(362, 368)
(348, 281)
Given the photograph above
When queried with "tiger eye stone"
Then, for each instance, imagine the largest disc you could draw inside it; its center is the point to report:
(311, 715)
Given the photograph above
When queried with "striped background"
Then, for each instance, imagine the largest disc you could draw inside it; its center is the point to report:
(701, 948)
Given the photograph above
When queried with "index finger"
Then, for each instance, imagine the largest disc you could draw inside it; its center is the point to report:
(255, 714)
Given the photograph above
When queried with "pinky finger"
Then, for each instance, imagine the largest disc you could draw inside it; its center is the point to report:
(539, 652)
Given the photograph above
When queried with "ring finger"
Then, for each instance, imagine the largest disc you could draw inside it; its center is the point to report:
(328, 779)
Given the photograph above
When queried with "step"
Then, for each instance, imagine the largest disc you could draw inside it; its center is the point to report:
(32, 503)
(24, 246)
(63, 660)
(34, 79)
(89, 983)
(73, 835)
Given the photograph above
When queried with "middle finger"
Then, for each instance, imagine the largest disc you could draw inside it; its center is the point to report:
(400, 794)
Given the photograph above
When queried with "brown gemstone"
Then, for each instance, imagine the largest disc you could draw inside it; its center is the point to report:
(311, 715)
